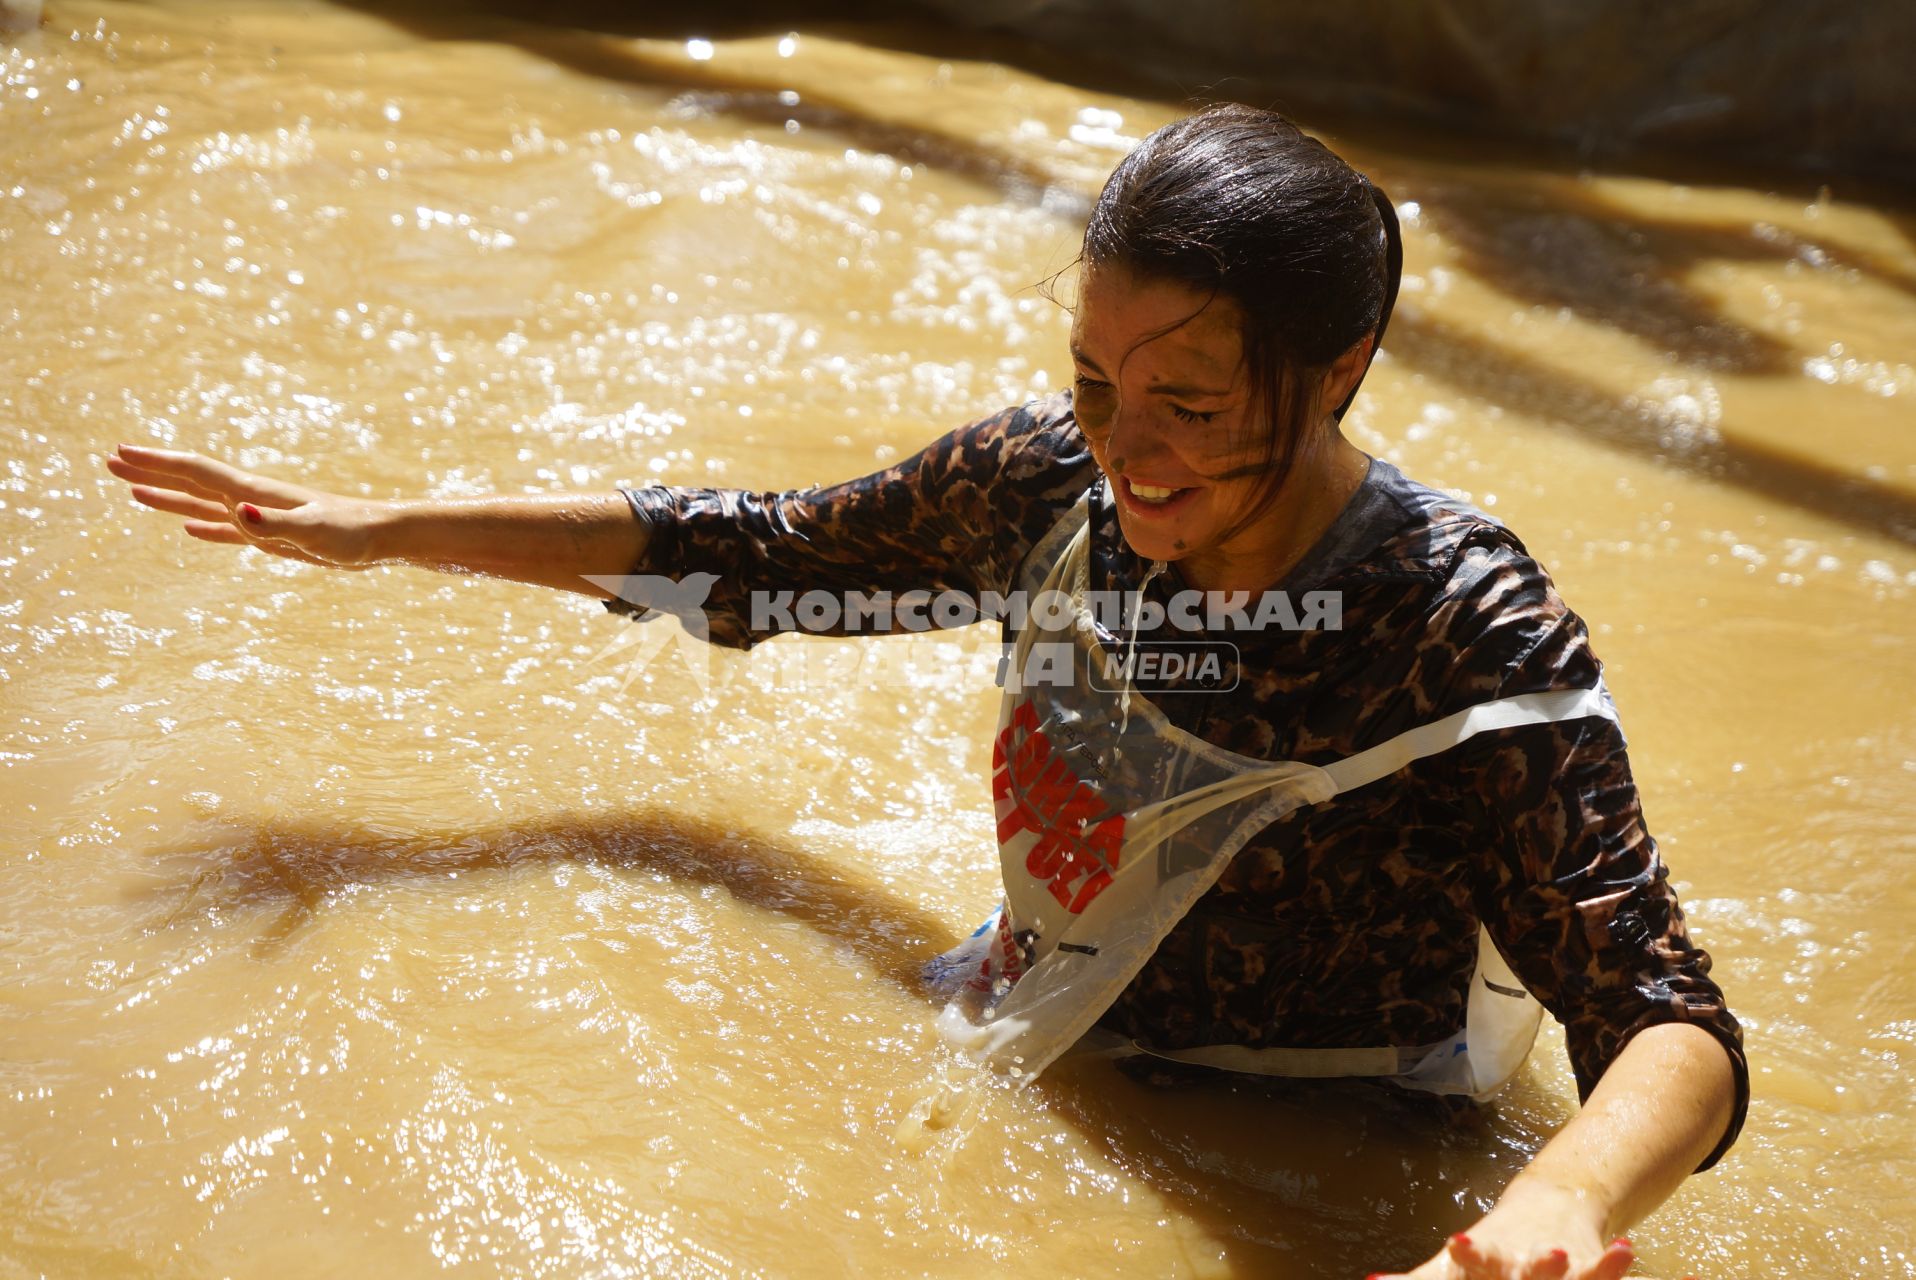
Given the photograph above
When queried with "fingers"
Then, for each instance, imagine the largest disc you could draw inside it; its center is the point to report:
(212, 531)
(210, 478)
(176, 503)
(1466, 1255)
(137, 475)
(1554, 1266)
(1615, 1261)
(1475, 1262)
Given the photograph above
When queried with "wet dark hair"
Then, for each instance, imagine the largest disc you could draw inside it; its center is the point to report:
(1239, 202)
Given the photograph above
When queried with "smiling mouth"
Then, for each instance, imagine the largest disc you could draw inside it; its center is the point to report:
(1152, 498)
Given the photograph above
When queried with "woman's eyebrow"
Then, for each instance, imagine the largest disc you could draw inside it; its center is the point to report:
(1186, 393)
(1165, 389)
(1173, 389)
(1085, 360)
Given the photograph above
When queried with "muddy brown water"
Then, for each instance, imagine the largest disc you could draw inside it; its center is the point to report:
(391, 923)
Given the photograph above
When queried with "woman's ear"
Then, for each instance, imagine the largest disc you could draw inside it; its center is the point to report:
(1345, 373)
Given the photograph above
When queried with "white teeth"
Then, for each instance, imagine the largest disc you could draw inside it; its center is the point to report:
(1151, 493)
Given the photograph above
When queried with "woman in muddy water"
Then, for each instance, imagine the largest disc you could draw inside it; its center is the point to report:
(1334, 788)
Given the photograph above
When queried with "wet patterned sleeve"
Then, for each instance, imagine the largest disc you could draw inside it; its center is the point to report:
(1570, 883)
(953, 517)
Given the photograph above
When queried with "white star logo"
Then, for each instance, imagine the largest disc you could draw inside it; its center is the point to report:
(660, 597)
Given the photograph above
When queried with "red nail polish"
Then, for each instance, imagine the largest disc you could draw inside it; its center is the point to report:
(1559, 1255)
(251, 512)
(1621, 1240)
(1461, 1239)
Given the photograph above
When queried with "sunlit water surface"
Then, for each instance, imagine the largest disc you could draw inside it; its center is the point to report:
(386, 924)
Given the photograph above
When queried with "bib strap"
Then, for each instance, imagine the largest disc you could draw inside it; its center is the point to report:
(1440, 735)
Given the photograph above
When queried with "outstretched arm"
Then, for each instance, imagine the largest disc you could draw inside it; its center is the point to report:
(550, 540)
(1568, 880)
(958, 515)
(1663, 1105)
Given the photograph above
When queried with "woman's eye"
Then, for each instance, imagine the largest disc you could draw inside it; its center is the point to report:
(1192, 415)
(1093, 406)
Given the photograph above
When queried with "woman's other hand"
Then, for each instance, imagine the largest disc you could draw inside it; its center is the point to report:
(1654, 1115)
(1492, 1251)
(222, 503)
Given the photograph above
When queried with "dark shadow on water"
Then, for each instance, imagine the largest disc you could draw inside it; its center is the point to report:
(584, 34)
(1303, 1180)
(1552, 396)
(1548, 244)
(1554, 241)
(1905, 224)
(298, 869)
(588, 39)
(1137, 72)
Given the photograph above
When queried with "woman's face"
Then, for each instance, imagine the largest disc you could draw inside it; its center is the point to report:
(1168, 418)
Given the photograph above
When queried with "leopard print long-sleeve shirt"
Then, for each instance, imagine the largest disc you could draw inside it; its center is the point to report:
(1349, 923)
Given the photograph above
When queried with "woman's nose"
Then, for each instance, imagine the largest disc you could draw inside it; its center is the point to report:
(1134, 440)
